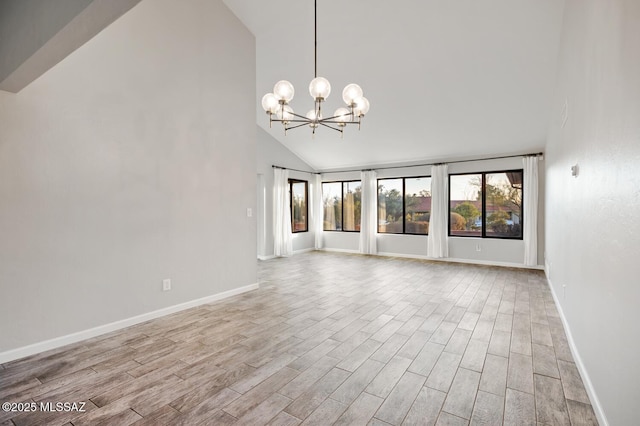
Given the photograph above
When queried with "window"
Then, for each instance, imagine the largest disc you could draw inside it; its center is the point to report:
(351, 205)
(487, 205)
(342, 203)
(503, 204)
(465, 205)
(332, 206)
(298, 192)
(404, 205)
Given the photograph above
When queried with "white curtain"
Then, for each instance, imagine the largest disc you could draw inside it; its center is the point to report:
(368, 213)
(282, 241)
(317, 210)
(438, 242)
(530, 210)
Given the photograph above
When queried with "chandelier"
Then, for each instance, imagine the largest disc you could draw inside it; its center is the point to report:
(277, 103)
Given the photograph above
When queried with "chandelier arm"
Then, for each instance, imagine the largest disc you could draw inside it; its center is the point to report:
(299, 125)
(335, 116)
(337, 122)
(306, 121)
(299, 116)
(333, 128)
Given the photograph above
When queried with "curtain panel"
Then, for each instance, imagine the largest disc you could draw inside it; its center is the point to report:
(282, 237)
(438, 240)
(530, 213)
(369, 213)
(317, 210)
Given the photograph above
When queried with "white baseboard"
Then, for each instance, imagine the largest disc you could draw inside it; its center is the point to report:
(489, 263)
(271, 256)
(305, 250)
(442, 259)
(595, 402)
(57, 342)
(458, 260)
(337, 250)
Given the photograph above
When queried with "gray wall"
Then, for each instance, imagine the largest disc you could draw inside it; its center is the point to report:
(493, 251)
(26, 25)
(271, 152)
(593, 226)
(122, 166)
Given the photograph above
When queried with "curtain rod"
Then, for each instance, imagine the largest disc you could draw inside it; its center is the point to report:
(295, 170)
(534, 154)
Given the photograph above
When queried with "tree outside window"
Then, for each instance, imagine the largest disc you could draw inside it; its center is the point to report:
(298, 192)
(342, 205)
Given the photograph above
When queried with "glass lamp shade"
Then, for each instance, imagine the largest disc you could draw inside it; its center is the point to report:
(362, 106)
(285, 113)
(283, 90)
(350, 93)
(342, 115)
(319, 88)
(270, 103)
(312, 115)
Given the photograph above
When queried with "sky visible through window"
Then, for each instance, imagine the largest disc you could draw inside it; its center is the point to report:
(464, 187)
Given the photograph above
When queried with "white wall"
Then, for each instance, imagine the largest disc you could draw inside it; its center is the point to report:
(492, 251)
(271, 152)
(593, 226)
(121, 166)
(36, 35)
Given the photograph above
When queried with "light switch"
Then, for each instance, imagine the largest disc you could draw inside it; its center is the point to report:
(249, 212)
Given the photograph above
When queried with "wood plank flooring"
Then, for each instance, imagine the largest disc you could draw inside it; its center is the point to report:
(327, 339)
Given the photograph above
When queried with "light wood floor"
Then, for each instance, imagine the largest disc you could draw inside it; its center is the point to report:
(327, 339)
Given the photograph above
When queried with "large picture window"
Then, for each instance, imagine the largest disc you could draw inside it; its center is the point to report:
(487, 205)
(404, 205)
(298, 195)
(342, 203)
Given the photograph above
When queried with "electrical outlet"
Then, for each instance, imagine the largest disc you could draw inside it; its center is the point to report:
(166, 284)
(478, 247)
(249, 212)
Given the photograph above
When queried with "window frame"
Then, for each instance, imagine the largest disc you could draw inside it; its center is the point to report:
(341, 182)
(306, 204)
(483, 203)
(404, 209)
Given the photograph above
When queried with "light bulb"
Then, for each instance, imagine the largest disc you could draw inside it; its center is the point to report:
(283, 90)
(342, 115)
(270, 103)
(314, 117)
(362, 106)
(285, 113)
(319, 88)
(350, 93)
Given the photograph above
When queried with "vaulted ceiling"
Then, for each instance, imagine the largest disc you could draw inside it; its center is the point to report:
(446, 79)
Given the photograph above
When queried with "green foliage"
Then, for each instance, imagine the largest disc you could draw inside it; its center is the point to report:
(498, 223)
(392, 200)
(421, 227)
(457, 221)
(422, 217)
(497, 219)
(357, 206)
(469, 212)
